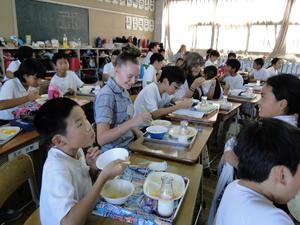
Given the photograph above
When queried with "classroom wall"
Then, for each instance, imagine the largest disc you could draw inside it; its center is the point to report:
(106, 24)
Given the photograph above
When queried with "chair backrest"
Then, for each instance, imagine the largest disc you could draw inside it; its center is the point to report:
(13, 174)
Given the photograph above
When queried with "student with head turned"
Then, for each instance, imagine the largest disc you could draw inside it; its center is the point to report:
(179, 62)
(268, 171)
(276, 65)
(211, 87)
(109, 68)
(150, 74)
(113, 108)
(212, 59)
(67, 193)
(259, 72)
(156, 97)
(22, 88)
(23, 53)
(152, 48)
(65, 80)
(232, 79)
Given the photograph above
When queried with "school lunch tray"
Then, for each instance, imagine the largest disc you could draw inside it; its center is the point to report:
(230, 96)
(139, 209)
(91, 94)
(168, 140)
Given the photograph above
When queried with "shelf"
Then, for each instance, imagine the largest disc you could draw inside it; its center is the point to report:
(89, 69)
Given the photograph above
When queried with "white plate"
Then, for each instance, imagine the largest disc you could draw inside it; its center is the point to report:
(165, 123)
(8, 132)
(206, 107)
(111, 155)
(174, 132)
(153, 183)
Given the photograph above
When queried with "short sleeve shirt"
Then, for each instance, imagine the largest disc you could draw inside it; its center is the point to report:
(71, 80)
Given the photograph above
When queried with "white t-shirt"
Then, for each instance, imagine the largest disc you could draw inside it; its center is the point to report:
(210, 63)
(65, 182)
(205, 86)
(150, 99)
(109, 69)
(272, 71)
(13, 67)
(262, 74)
(12, 88)
(243, 206)
(71, 80)
(147, 58)
(149, 75)
(234, 82)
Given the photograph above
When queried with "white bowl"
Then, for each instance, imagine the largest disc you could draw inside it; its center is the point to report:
(111, 155)
(117, 191)
(165, 123)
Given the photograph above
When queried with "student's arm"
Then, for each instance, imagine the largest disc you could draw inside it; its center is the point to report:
(165, 111)
(105, 77)
(80, 211)
(9, 74)
(196, 84)
(106, 135)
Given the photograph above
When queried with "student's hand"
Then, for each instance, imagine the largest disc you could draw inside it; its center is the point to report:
(33, 95)
(141, 118)
(71, 91)
(197, 82)
(115, 168)
(231, 158)
(91, 156)
(186, 103)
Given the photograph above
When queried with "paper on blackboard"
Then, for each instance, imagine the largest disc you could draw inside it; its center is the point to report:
(128, 23)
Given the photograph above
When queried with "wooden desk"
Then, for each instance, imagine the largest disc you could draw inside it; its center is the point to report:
(185, 214)
(166, 152)
(225, 115)
(240, 100)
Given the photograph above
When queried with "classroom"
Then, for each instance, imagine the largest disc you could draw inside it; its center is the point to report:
(149, 112)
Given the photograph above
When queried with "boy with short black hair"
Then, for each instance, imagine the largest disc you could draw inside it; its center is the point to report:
(67, 193)
(233, 80)
(269, 171)
(259, 72)
(152, 48)
(156, 97)
(109, 68)
(213, 58)
(156, 63)
(65, 80)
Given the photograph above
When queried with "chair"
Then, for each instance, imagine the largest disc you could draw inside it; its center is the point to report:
(13, 174)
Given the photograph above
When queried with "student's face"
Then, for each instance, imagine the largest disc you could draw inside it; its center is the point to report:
(230, 70)
(213, 58)
(256, 67)
(31, 80)
(269, 106)
(113, 58)
(179, 63)
(158, 65)
(278, 65)
(196, 70)
(126, 75)
(80, 133)
(170, 88)
(155, 49)
(62, 66)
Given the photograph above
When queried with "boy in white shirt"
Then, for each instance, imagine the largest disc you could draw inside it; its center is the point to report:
(153, 48)
(213, 59)
(276, 64)
(233, 80)
(269, 171)
(67, 81)
(156, 63)
(109, 68)
(259, 72)
(67, 193)
(156, 97)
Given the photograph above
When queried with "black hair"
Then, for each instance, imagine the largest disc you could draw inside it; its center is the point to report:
(50, 119)
(59, 55)
(129, 54)
(161, 50)
(211, 72)
(24, 52)
(173, 74)
(287, 86)
(259, 61)
(234, 64)
(274, 61)
(152, 45)
(156, 57)
(231, 54)
(264, 144)
(116, 52)
(214, 53)
(30, 67)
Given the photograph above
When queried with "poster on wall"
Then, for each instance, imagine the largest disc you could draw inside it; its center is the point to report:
(147, 5)
(135, 23)
(128, 23)
(115, 2)
(146, 24)
(135, 3)
(141, 24)
(108, 1)
(152, 5)
(141, 4)
(151, 25)
(129, 3)
(122, 2)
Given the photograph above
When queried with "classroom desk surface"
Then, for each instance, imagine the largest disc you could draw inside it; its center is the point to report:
(171, 153)
(240, 100)
(19, 140)
(224, 115)
(185, 214)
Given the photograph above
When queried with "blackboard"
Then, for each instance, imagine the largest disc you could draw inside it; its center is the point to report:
(44, 21)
